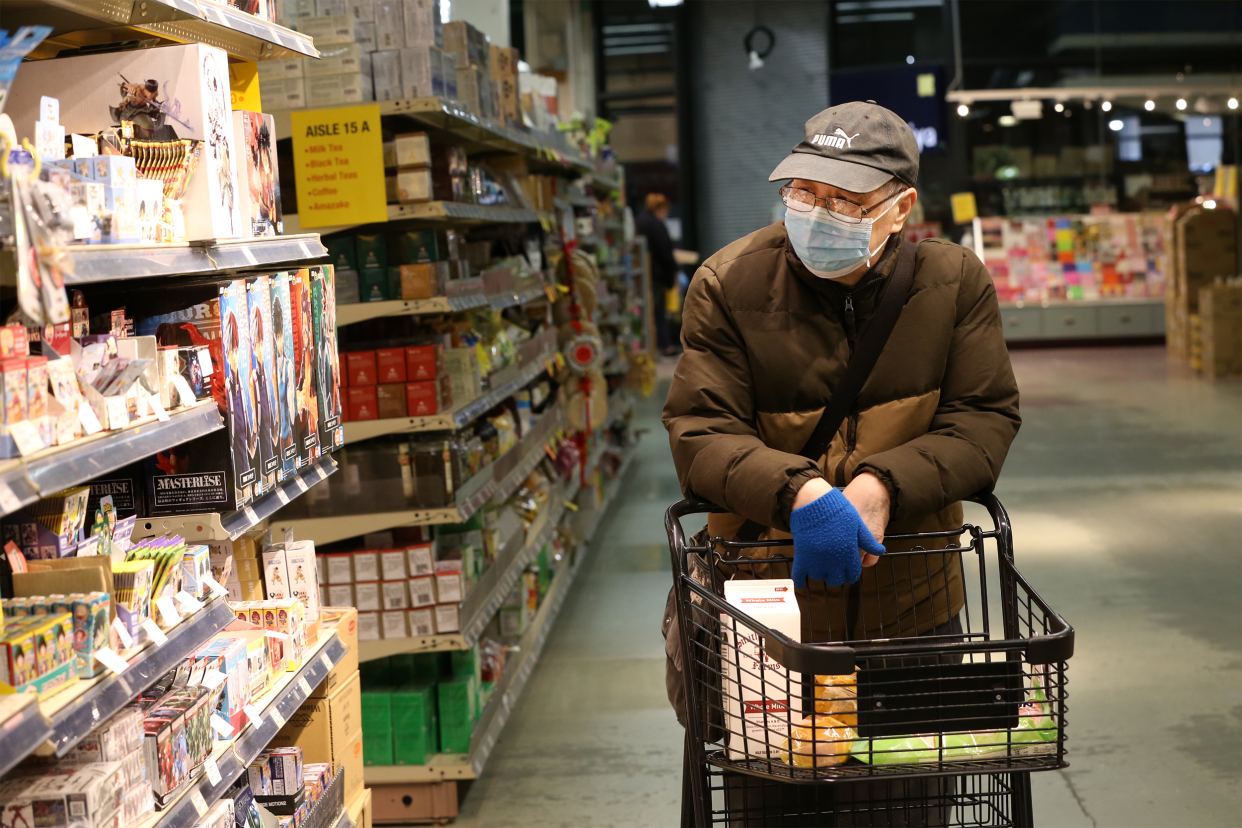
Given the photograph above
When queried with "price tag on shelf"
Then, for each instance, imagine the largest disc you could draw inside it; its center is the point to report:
(212, 770)
(276, 717)
(300, 483)
(221, 726)
(213, 679)
(246, 251)
(111, 660)
(26, 436)
(204, 361)
(169, 610)
(250, 514)
(154, 632)
(88, 418)
(122, 632)
(281, 496)
(188, 602)
(327, 662)
(184, 391)
(215, 587)
(200, 804)
(9, 502)
(160, 413)
(252, 713)
(304, 684)
(276, 634)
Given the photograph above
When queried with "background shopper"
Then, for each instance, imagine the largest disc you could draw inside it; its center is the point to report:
(663, 266)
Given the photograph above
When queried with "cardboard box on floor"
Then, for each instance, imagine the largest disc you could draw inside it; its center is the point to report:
(1220, 314)
(330, 730)
(345, 620)
(405, 804)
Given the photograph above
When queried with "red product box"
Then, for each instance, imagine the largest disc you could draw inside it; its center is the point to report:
(423, 362)
(360, 368)
(363, 404)
(390, 365)
(422, 398)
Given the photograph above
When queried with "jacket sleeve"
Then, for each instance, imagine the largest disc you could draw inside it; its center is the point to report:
(710, 417)
(976, 419)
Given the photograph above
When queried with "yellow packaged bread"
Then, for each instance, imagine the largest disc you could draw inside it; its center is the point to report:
(818, 742)
(837, 696)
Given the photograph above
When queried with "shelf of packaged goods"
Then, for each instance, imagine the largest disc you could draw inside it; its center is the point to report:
(364, 311)
(456, 212)
(508, 690)
(471, 497)
(222, 526)
(518, 298)
(72, 713)
(592, 241)
(614, 271)
(459, 417)
(486, 596)
(112, 262)
(232, 757)
(573, 200)
(188, 21)
(605, 182)
(25, 480)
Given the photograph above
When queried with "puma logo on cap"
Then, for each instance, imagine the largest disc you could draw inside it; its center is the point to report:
(837, 139)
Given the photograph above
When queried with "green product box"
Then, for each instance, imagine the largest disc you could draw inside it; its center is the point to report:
(371, 251)
(418, 246)
(373, 284)
(414, 717)
(377, 728)
(429, 667)
(465, 662)
(342, 252)
(394, 283)
(455, 700)
(485, 694)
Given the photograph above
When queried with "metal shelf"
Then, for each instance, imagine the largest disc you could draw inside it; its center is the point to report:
(456, 212)
(485, 597)
(567, 201)
(22, 728)
(112, 262)
(188, 21)
(364, 311)
(233, 757)
(508, 691)
(232, 525)
(459, 417)
(25, 480)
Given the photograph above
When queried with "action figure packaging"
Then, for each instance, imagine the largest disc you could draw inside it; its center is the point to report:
(89, 797)
(327, 360)
(170, 93)
(304, 352)
(300, 565)
(263, 372)
(241, 394)
(284, 364)
(259, 185)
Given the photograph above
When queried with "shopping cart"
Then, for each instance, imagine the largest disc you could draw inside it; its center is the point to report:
(933, 709)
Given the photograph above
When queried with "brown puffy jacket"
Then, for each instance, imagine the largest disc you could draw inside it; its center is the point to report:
(766, 341)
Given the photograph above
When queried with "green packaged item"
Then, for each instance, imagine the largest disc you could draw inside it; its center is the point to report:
(394, 283)
(414, 717)
(429, 667)
(465, 662)
(377, 730)
(373, 284)
(371, 252)
(419, 246)
(342, 252)
(454, 702)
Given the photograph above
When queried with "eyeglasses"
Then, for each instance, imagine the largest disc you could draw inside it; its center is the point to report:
(804, 201)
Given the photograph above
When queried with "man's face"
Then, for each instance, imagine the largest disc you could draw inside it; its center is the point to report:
(896, 210)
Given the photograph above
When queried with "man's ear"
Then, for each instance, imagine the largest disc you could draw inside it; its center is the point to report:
(901, 210)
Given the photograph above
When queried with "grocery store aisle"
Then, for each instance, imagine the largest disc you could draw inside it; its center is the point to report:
(1125, 490)
(593, 741)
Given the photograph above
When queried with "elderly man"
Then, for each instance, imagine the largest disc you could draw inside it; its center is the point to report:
(770, 324)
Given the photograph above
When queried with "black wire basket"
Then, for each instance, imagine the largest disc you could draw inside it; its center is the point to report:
(942, 667)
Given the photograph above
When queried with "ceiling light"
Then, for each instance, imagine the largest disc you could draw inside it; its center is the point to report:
(1181, 103)
(963, 110)
(1233, 103)
(1150, 105)
(1007, 120)
(1106, 106)
(1210, 204)
(1115, 125)
(909, 58)
(1060, 107)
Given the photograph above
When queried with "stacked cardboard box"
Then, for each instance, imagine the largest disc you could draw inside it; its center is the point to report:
(474, 70)
(1220, 318)
(505, 78)
(1204, 249)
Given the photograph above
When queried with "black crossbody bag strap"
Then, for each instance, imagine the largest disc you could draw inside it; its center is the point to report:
(866, 354)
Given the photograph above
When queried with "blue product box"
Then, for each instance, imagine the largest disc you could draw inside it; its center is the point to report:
(114, 170)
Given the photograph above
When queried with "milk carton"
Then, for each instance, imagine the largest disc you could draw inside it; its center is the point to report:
(760, 696)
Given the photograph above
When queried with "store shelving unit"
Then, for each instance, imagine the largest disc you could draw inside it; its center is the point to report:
(113, 262)
(464, 214)
(512, 682)
(471, 497)
(185, 21)
(1114, 318)
(64, 719)
(232, 757)
(364, 311)
(25, 480)
(221, 526)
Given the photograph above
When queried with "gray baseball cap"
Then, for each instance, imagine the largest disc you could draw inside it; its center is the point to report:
(855, 146)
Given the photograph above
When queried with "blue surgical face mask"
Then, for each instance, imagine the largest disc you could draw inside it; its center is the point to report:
(830, 247)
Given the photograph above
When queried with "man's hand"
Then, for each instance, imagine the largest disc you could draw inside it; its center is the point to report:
(828, 536)
(870, 498)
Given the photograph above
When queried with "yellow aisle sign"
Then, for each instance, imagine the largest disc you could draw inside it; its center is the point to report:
(964, 209)
(338, 165)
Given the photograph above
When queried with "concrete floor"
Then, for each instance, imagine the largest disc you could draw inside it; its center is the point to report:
(1125, 490)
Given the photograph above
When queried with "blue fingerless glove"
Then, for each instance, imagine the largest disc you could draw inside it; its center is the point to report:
(827, 534)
